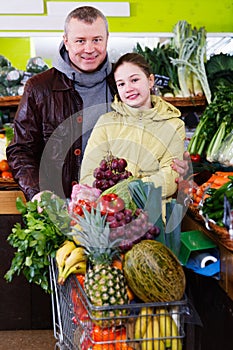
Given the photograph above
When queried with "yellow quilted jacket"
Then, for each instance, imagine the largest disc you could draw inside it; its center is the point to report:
(147, 139)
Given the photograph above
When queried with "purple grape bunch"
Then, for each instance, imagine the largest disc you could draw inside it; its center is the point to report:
(131, 228)
(110, 171)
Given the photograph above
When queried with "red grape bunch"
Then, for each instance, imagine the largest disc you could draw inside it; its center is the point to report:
(131, 228)
(111, 170)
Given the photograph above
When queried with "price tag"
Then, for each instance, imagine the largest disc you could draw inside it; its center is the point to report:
(161, 80)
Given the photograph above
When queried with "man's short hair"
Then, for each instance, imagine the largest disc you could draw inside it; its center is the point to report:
(86, 14)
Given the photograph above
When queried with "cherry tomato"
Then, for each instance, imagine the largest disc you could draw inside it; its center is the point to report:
(84, 203)
(110, 197)
(196, 158)
(78, 210)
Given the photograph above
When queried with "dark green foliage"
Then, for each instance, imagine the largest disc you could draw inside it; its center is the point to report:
(38, 238)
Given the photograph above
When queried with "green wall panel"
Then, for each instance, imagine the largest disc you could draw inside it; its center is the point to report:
(17, 50)
(161, 16)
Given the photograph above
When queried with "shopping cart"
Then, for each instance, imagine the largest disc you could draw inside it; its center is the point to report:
(76, 321)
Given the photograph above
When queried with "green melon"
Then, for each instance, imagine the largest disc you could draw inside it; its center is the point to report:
(153, 272)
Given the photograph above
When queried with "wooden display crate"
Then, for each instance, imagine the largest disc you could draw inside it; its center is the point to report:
(194, 101)
(8, 201)
(9, 101)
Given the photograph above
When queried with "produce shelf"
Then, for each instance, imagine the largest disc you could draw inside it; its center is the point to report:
(8, 101)
(186, 101)
(176, 101)
(215, 231)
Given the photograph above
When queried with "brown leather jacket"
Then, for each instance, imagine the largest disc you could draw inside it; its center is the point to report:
(45, 153)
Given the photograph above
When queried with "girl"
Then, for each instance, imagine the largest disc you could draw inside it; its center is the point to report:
(142, 128)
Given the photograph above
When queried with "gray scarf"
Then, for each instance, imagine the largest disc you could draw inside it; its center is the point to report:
(92, 88)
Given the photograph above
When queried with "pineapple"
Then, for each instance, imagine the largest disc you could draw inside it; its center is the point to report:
(105, 285)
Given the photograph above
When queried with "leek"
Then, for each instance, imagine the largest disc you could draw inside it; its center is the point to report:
(191, 47)
(197, 88)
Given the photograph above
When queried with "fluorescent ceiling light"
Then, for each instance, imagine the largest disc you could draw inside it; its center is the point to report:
(28, 23)
(22, 6)
(57, 12)
(109, 9)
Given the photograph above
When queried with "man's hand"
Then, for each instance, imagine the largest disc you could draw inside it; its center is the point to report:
(182, 167)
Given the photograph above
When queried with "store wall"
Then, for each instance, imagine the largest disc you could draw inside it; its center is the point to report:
(160, 16)
(145, 16)
(17, 50)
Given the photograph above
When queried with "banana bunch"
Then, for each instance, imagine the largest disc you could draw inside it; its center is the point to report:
(169, 330)
(157, 331)
(70, 259)
(147, 330)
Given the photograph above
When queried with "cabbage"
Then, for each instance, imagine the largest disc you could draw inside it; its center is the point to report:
(219, 70)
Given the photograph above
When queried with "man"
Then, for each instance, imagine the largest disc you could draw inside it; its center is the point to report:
(60, 107)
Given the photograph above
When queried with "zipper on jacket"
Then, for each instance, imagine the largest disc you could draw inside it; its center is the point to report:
(141, 133)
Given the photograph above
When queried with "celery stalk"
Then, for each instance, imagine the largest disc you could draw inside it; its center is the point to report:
(215, 143)
(196, 143)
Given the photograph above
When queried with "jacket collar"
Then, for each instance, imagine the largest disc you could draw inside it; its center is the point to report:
(161, 109)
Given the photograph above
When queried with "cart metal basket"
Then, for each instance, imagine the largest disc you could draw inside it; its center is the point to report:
(79, 325)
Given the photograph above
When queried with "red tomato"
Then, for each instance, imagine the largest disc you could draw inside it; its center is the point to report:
(78, 210)
(78, 306)
(84, 204)
(110, 196)
(111, 203)
(196, 158)
(81, 279)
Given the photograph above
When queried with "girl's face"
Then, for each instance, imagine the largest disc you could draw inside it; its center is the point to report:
(133, 85)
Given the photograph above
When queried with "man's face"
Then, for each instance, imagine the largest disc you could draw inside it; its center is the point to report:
(86, 44)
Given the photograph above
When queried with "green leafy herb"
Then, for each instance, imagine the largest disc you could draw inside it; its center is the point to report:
(42, 233)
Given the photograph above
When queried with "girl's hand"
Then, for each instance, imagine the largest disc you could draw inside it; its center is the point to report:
(182, 167)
